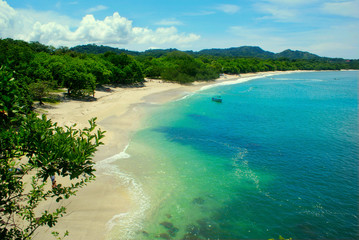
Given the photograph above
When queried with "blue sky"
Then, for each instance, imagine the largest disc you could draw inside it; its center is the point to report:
(325, 27)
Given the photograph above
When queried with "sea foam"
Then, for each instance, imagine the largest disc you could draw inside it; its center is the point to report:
(125, 225)
(238, 80)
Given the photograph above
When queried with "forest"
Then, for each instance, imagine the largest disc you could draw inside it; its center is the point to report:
(82, 69)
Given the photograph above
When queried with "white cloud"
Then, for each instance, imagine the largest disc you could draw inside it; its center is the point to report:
(113, 29)
(279, 13)
(200, 13)
(300, 11)
(96, 9)
(290, 2)
(346, 8)
(52, 29)
(30, 16)
(268, 38)
(336, 41)
(332, 41)
(162, 36)
(335, 49)
(287, 10)
(228, 8)
(169, 22)
(6, 15)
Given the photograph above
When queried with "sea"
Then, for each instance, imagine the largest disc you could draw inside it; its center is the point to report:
(278, 157)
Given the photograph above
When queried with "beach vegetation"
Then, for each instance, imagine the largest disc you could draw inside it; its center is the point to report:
(39, 161)
(40, 66)
(84, 68)
(179, 67)
(39, 90)
(125, 69)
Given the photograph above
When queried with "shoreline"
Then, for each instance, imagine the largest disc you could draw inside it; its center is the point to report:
(120, 113)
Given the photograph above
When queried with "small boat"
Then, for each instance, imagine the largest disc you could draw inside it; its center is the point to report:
(217, 99)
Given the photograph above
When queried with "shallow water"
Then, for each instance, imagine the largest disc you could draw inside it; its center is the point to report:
(279, 156)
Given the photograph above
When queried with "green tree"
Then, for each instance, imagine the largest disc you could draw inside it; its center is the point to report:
(78, 80)
(183, 68)
(13, 99)
(32, 150)
(37, 70)
(97, 67)
(126, 70)
(133, 73)
(58, 65)
(152, 67)
(40, 90)
(17, 52)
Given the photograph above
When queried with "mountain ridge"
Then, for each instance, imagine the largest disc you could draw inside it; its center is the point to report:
(241, 52)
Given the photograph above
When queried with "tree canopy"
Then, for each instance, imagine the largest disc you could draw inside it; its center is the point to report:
(82, 68)
(38, 65)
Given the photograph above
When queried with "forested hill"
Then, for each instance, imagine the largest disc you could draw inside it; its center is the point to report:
(236, 52)
(245, 51)
(290, 54)
(94, 49)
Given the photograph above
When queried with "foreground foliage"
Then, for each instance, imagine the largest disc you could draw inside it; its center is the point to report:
(32, 150)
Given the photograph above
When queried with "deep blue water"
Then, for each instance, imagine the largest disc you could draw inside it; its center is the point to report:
(279, 156)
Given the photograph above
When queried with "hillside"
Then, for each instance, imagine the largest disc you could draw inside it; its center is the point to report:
(94, 49)
(290, 54)
(237, 52)
(245, 51)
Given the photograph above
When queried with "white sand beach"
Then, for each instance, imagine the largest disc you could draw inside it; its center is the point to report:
(119, 112)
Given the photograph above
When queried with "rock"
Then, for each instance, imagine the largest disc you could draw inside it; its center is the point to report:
(207, 229)
(167, 225)
(198, 200)
(189, 236)
(165, 236)
(172, 230)
(192, 229)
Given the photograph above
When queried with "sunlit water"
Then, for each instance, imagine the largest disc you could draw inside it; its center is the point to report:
(279, 156)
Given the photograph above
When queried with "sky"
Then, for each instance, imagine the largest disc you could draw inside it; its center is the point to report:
(328, 28)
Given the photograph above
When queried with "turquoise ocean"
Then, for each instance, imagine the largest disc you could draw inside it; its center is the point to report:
(279, 156)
